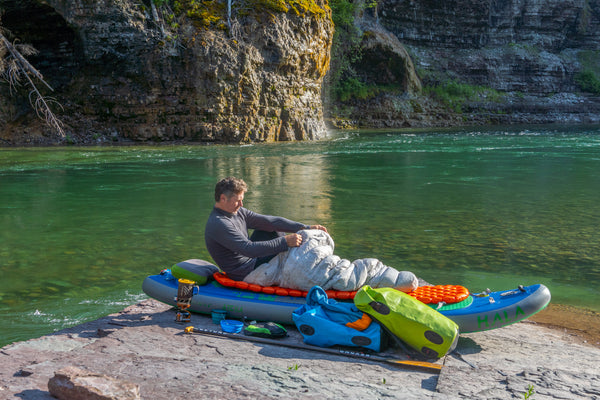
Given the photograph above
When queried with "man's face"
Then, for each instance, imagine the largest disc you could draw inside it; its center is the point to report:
(233, 203)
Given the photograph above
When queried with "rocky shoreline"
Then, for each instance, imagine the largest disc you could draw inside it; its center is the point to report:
(142, 347)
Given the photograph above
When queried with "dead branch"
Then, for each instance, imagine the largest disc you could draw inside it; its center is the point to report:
(156, 18)
(44, 112)
(17, 66)
(24, 65)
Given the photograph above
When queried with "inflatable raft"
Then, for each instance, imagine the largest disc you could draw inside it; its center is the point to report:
(478, 312)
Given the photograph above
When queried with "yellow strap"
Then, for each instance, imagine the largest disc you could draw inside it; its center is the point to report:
(360, 324)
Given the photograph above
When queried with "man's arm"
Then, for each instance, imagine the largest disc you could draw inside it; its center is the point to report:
(271, 223)
(231, 238)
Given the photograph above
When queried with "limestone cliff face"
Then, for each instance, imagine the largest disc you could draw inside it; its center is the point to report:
(511, 45)
(528, 51)
(552, 25)
(121, 72)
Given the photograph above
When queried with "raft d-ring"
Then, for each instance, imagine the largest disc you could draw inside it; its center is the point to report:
(519, 289)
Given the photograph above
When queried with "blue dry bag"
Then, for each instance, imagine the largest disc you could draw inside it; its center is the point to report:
(325, 322)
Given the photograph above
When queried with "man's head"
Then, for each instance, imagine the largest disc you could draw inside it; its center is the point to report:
(229, 194)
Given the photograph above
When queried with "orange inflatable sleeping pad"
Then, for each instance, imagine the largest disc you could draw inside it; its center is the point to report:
(427, 294)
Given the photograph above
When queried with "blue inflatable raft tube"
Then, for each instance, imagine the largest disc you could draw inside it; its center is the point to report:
(479, 312)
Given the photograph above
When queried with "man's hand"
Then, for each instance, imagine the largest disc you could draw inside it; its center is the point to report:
(293, 240)
(319, 227)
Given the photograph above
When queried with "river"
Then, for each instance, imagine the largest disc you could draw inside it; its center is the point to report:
(485, 208)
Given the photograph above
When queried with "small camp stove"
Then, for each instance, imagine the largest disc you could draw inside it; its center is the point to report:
(185, 291)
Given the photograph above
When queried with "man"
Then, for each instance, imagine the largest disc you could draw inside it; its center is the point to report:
(226, 232)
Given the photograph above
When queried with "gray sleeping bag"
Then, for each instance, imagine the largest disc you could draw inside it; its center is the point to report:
(313, 263)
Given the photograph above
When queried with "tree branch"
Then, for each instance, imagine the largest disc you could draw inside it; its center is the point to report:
(20, 66)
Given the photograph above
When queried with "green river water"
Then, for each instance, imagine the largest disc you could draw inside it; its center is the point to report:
(80, 228)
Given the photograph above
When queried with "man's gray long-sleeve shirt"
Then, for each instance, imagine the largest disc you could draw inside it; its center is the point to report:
(227, 240)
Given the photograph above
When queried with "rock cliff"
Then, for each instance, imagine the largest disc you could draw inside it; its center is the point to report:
(518, 61)
(125, 69)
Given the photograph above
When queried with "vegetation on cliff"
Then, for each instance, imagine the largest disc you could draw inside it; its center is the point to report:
(218, 13)
(589, 76)
(454, 94)
(345, 50)
(345, 82)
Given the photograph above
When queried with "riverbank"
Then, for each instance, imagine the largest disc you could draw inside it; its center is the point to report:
(145, 346)
(582, 324)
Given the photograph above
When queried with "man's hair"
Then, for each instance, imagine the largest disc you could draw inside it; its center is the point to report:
(229, 186)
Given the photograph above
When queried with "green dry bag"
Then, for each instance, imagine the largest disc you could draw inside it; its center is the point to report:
(416, 324)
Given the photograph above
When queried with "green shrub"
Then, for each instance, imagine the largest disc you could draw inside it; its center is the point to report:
(354, 88)
(454, 94)
(351, 88)
(588, 81)
(588, 78)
